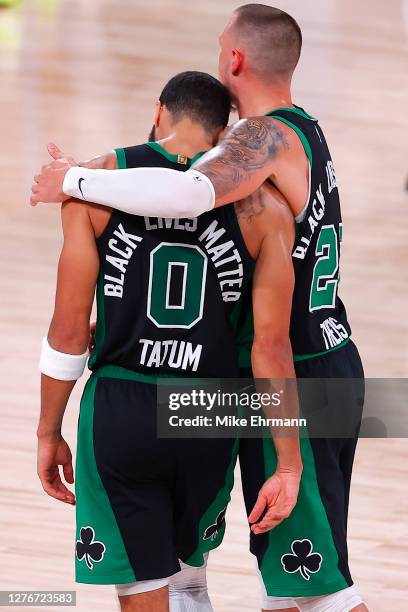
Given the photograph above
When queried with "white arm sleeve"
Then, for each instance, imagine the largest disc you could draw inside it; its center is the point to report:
(154, 192)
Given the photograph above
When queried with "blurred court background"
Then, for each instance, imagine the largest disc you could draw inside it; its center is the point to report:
(86, 74)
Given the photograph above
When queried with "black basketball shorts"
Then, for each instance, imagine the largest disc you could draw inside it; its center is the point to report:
(306, 555)
(143, 502)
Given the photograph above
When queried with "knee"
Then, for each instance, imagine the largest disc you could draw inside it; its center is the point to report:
(144, 595)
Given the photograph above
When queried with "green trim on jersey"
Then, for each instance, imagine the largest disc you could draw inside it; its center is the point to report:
(171, 156)
(299, 132)
(219, 504)
(295, 109)
(245, 339)
(93, 508)
(100, 321)
(246, 348)
(308, 521)
(121, 158)
(244, 333)
(335, 348)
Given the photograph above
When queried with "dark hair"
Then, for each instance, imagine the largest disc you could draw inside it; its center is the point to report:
(199, 96)
(272, 35)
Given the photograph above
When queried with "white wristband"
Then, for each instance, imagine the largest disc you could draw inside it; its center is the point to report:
(148, 192)
(61, 366)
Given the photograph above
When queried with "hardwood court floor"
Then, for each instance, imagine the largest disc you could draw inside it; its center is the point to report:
(86, 73)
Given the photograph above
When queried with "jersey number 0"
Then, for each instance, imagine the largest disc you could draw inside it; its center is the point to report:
(177, 282)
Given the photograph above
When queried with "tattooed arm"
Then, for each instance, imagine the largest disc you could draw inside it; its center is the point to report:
(254, 150)
(245, 158)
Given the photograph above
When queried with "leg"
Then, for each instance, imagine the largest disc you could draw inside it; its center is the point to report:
(152, 601)
(283, 610)
(278, 604)
(188, 593)
(188, 589)
(341, 601)
(205, 476)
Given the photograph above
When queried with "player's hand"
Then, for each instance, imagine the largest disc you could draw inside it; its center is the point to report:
(52, 452)
(47, 186)
(92, 329)
(277, 498)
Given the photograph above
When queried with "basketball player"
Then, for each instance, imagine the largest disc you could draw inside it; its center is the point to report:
(168, 293)
(278, 142)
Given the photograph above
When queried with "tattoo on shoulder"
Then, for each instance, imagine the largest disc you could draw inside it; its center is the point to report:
(250, 207)
(248, 147)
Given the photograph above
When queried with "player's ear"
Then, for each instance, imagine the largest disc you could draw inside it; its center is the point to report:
(158, 112)
(217, 135)
(237, 61)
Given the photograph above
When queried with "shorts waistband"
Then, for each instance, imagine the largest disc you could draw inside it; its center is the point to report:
(297, 358)
(112, 371)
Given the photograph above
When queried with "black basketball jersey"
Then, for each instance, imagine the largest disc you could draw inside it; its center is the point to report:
(169, 291)
(319, 320)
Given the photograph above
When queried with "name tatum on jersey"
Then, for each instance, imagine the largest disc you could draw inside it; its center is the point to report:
(319, 320)
(170, 291)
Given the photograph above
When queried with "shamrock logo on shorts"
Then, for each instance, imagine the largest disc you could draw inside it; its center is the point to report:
(89, 549)
(212, 531)
(302, 560)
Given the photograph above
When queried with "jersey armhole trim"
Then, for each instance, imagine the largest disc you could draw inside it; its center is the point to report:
(299, 218)
(301, 135)
(100, 331)
(295, 109)
(121, 158)
(237, 226)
